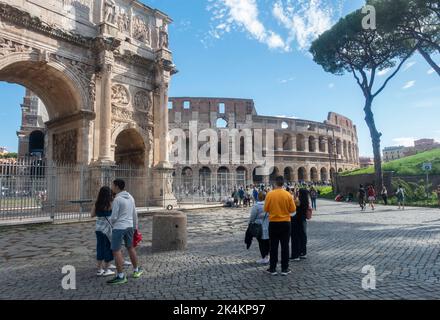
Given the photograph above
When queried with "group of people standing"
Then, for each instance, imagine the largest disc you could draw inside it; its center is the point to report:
(116, 224)
(369, 194)
(283, 216)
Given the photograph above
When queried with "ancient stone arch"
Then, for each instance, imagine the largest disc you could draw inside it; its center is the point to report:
(100, 67)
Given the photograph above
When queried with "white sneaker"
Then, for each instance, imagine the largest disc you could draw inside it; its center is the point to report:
(262, 261)
(108, 272)
(266, 260)
(127, 263)
(111, 266)
(100, 272)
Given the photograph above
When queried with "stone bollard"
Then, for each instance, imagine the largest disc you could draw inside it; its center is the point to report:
(169, 231)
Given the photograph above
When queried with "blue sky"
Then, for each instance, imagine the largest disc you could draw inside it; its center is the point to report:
(258, 49)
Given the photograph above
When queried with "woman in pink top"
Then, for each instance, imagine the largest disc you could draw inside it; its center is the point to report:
(371, 193)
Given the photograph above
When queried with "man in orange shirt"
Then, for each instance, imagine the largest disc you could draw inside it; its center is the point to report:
(279, 204)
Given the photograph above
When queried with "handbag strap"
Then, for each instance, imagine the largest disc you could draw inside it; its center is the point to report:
(109, 222)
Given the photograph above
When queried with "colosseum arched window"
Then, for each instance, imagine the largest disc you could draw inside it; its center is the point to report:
(312, 144)
(300, 143)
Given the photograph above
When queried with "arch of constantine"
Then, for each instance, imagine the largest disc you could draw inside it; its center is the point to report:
(102, 69)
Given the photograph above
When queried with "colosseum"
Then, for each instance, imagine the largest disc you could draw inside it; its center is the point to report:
(305, 151)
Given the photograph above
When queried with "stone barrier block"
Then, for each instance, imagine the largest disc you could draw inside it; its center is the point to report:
(169, 232)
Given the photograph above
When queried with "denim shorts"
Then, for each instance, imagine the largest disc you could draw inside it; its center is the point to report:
(103, 248)
(119, 235)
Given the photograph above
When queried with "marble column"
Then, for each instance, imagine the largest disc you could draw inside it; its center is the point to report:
(106, 115)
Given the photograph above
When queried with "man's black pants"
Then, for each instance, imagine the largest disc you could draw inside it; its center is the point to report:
(279, 232)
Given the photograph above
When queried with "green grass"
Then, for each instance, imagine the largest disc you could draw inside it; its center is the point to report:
(409, 166)
(326, 192)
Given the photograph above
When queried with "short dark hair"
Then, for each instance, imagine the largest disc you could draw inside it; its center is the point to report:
(279, 181)
(119, 183)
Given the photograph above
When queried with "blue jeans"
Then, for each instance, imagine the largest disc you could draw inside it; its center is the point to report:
(313, 203)
(103, 248)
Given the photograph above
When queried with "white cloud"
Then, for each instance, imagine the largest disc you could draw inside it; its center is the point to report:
(243, 14)
(405, 141)
(430, 71)
(383, 72)
(302, 21)
(283, 81)
(408, 65)
(408, 85)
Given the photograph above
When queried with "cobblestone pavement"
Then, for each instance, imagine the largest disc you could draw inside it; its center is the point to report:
(402, 246)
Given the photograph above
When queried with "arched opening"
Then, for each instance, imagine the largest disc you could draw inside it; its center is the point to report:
(275, 173)
(324, 175)
(345, 149)
(287, 142)
(62, 95)
(302, 174)
(322, 144)
(187, 179)
(241, 173)
(223, 179)
(288, 175)
(221, 123)
(130, 149)
(338, 147)
(312, 144)
(300, 143)
(257, 179)
(205, 179)
(340, 170)
(331, 146)
(36, 143)
(284, 125)
(314, 175)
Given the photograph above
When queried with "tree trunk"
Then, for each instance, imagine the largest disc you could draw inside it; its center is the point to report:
(375, 138)
(428, 58)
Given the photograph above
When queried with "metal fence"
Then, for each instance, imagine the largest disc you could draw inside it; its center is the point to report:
(34, 190)
(208, 188)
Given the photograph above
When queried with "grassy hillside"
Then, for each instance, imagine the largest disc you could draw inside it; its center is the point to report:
(407, 166)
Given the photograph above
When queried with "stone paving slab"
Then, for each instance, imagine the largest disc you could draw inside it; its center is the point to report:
(403, 246)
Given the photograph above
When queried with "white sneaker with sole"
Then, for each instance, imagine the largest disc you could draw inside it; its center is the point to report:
(108, 272)
(127, 263)
(111, 266)
(100, 272)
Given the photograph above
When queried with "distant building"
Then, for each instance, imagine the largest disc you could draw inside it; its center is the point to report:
(31, 137)
(421, 145)
(365, 162)
(393, 153)
(425, 145)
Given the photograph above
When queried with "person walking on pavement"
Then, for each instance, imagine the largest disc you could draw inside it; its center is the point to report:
(361, 197)
(400, 194)
(313, 197)
(124, 221)
(279, 204)
(384, 194)
(371, 196)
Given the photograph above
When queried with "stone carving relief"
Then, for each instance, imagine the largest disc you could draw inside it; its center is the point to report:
(120, 95)
(141, 30)
(85, 72)
(123, 21)
(8, 46)
(65, 146)
(143, 100)
(110, 11)
(163, 37)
